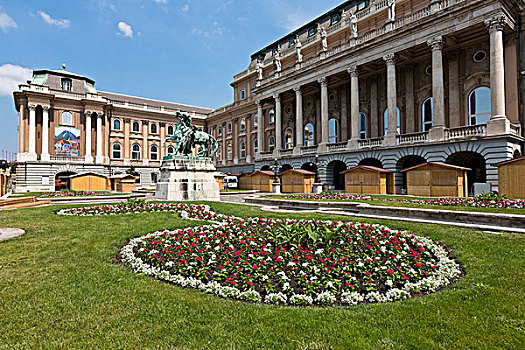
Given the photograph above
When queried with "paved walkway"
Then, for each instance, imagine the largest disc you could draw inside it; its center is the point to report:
(8, 233)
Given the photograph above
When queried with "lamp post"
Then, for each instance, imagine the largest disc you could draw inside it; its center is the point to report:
(318, 187)
(276, 185)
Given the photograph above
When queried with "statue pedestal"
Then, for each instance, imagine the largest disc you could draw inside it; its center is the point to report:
(187, 179)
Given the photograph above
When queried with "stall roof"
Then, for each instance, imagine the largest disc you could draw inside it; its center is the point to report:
(509, 161)
(450, 166)
(368, 167)
(265, 172)
(298, 171)
(88, 173)
(122, 176)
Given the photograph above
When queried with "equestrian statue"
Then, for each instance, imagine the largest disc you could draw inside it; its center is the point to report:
(187, 137)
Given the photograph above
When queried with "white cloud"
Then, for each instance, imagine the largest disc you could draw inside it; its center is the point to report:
(62, 23)
(125, 29)
(185, 8)
(6, 22)
(11, 76)
(161, 1)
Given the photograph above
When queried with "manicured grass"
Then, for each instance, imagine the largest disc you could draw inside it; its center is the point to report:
(60, 288)
(408, 205)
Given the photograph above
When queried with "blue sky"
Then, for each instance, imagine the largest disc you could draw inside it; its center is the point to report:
(176, 50)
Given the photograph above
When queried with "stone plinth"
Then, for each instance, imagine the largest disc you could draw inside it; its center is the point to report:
(187, 179)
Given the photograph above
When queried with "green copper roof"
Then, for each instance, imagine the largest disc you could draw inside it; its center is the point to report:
(39, 78)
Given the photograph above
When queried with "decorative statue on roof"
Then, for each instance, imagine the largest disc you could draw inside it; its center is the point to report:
(298, 49)
(353, 25)
(391, 10)
(188, 136)
(259, 68)
(324, 39)
(277, 60)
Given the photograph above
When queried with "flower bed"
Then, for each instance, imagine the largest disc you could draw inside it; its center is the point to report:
(287, 262)
(122, 208)
(456, 202)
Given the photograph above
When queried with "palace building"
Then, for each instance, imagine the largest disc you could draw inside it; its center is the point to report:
(67, 127)
(391, 84)
(384, 83)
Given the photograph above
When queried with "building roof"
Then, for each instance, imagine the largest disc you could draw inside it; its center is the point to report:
(89, 173)
(519, 159)
(368, 167)
(298, 171)
(219, 174)
(121, 176)
(443, 165)
(64, 73)
(155, 103)
(264, 172)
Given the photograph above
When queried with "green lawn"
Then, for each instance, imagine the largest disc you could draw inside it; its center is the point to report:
(409, 205)
(61, 289)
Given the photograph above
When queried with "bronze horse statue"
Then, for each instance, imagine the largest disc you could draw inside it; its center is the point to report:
(187, 137)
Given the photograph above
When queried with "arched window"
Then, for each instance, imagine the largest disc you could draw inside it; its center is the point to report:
(308, 135)
(135, 151)
(136, 126)
(479, 106)
(171, 150)
(67, 84)
(255, 120)
(229, 151)
(243, 124)
(385, 121)
(271, 143)
(242, 149)
(170, 130)
(116, 125)
(229, 128)
(427, 113)
(271, 116)
(154, 152)
(255, 146)
(288, 138)
(219, 130)
(153, 129)
(66, 119)
(362, 126)
(333, 131)
(116, 151)
(219, 153)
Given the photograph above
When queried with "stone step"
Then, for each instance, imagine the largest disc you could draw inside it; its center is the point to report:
(25, 205)
(15, 201)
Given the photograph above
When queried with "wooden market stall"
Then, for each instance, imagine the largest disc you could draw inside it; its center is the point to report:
(245, 182)
(124, 183)
(509, 177)
(365, 179)
(219, 177)
(3, 183)
(437, 180)
(262, 180)
(89, 181)
(297, 181)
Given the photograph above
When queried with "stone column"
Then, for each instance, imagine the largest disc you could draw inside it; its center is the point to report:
(410, 117)
(499, 121)
(235, 141)
(260, 129)
(21, 129)
(373, 117)
(454, 110)
(162, 150)
(99, 156)
(354, 106)
(249, 140)
(45, 134)
(127, 143)
(391, 92)
(437, 132)
(88, 158)
(299, 123)
(32, 133)
(344, 115)
(145, 148)
(278, 125)
(324, 114)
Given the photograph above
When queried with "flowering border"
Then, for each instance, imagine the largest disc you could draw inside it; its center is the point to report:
(446, 271)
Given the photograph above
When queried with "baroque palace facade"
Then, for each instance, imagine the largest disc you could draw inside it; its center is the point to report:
(385, 83)
(388, 83)
(67, 127)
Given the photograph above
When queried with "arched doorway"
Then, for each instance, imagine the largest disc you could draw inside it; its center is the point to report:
(474, 161)
(334, 176)
(517, 154)
(309, 167)
(371, 162)
(62, 180)
(286, 167)
(405, 163)
(265, 168)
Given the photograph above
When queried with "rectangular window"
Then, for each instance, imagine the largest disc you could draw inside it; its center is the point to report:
(243, 94)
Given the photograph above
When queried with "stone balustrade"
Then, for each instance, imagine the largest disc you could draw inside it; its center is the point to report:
(408, 139)
(466, 131)
(369, 143)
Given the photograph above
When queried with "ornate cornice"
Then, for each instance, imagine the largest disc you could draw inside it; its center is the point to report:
(353, 71)
(496, 23)
(32, 107)
(436, 43)
(390, 58)
(277, 98)
(323, 81)
(145, 122)
(162, 124)
(298, 90)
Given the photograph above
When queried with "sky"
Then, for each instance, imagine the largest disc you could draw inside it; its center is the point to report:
(176, 50)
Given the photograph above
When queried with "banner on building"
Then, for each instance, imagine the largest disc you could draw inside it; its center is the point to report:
(67, 141)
